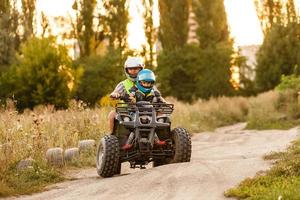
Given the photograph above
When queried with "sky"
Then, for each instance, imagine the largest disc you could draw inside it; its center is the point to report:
(243, 21)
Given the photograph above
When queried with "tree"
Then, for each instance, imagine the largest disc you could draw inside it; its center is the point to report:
(115, 20)
(278, 55)
(9, 36)
(150, 32)
(83, 29)
(28, 9)
(216, 45)
(212, 22)
(271, 12)
(178, 71)
(43, 75)
(173, 29)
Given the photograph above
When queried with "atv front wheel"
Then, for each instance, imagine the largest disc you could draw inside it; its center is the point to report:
(107, 158)
(182, 145)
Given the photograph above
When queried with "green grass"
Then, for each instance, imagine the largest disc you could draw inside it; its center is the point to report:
(283, 179)
(274, 155)
(265, 124)
(27, 181)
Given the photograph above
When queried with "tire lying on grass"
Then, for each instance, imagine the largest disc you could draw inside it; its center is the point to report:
(86, 145)
(55, 157)
(107, 158)
(25, 164)
(72, 155)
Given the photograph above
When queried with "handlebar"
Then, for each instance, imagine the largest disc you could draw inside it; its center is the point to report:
(164, 108)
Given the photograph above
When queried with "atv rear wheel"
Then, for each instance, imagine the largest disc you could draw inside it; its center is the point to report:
(107, 158)
(182, 145)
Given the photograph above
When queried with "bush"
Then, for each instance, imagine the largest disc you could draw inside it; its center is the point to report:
(101, 75)
(291, 82)
(43, 75)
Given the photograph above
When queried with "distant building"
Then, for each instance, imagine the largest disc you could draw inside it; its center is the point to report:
(193, 25)
(249, 51)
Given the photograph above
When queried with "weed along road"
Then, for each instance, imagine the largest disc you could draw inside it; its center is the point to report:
(219, 161)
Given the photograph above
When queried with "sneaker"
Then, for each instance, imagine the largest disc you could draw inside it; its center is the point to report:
(127, 146)
(160, 142)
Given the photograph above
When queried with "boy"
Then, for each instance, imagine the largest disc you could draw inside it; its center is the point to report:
(144, 90)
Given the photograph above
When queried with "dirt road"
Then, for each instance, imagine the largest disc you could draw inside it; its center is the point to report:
(220, 160)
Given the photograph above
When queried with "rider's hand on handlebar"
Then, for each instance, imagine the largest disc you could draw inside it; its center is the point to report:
(132, 99)
(115, 95)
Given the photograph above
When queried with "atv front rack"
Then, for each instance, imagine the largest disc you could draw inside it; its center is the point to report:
(163, 108)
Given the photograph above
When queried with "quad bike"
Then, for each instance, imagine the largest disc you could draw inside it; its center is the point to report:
(142, 134)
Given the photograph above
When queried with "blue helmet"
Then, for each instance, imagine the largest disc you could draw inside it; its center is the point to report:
(145, 80)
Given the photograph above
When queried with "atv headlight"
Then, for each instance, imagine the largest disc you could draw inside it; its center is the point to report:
(126, 119)
(145, 119)
(161, 120)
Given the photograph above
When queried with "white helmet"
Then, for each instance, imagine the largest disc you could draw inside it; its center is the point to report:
(133, 62)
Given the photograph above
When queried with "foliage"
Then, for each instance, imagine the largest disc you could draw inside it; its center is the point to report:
(178, 71)
(217, 48)
(43, 75)
(150, 32)
(214, 80)
(83, 30)
(291, 82)
(102, 73)
(173, 30)
(278, 56)
(9, 36)
(106, 101)
(212, 22)
(28, 9)
(275, 12)
(115, 22)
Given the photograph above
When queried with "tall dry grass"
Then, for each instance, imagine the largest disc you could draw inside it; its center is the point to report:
(273, 110)
(30, 134)
(208, 115)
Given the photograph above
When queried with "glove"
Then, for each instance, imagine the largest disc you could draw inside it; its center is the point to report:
(115, 95)
(132, 99)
